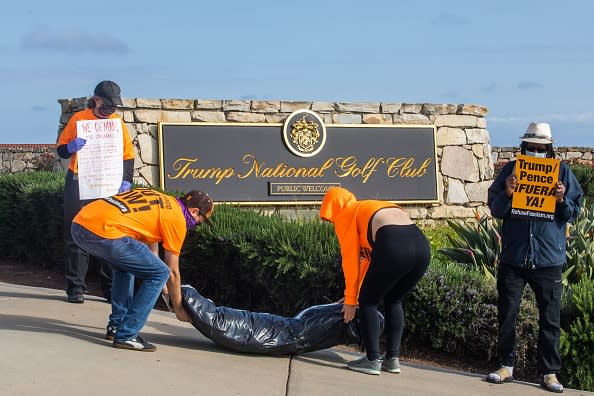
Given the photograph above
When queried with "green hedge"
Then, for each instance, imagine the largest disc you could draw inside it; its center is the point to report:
(249, 260)
(577, 338)
(453, 309)
(31, 209)
(585, 176)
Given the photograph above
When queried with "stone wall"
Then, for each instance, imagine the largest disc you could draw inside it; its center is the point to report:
(465, 165)
(581, 155)
(15, 158)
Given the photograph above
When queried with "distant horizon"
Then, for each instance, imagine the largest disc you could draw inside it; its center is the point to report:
(557, 123)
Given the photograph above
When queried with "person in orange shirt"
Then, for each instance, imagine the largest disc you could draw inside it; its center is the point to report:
(125, 231)
(101, 105)
(384, 255)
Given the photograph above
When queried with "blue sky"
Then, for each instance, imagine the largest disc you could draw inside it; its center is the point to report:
(525, 60)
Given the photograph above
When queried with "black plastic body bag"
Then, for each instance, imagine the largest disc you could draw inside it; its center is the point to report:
(317, 327)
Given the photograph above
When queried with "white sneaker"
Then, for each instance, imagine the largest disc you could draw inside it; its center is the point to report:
(135, 344)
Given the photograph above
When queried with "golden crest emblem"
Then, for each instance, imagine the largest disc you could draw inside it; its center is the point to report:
(304, 133)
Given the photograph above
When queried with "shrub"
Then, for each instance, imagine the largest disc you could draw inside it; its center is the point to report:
(577, 342)
(585, 176)
(32, 217)
(477, 244)
(580, 247)
(438, 237)
(250, 260)
(453, 310)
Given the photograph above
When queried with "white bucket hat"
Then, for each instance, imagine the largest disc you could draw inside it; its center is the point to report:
(538, 133)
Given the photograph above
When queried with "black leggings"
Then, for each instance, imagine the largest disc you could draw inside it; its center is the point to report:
(399, 259)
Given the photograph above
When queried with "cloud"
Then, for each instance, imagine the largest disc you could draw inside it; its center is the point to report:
(529, 85)
(73, 42)
(587, 116)
(489, 88)
(448, 19)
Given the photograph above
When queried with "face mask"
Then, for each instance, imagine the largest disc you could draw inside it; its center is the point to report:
(190, 222)
(535, 154)
(106, 110)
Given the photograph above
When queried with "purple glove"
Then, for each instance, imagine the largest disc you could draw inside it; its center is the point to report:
(76, 145)
(125, 187)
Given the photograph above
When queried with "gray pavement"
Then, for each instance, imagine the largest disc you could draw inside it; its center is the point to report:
(49, 347)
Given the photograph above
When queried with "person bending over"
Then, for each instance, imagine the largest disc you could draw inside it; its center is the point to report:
(125, 230)
(384, 255)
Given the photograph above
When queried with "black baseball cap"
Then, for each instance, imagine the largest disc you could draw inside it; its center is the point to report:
(109, 92)
(201, 201)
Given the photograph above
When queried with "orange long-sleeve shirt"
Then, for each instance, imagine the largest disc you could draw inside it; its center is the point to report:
(351, 219)
(69, 134)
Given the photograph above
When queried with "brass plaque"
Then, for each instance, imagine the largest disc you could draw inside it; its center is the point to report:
(296, 162)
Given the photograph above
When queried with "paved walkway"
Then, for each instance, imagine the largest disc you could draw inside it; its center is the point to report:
(49, 347)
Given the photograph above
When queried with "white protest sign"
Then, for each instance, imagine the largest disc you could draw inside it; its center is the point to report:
(100, 166)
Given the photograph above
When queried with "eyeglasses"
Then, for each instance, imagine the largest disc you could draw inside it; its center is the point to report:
(536, 149)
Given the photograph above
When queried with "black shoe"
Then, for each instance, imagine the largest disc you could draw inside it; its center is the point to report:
(107, 296)
(111, 331)
(76, 297)
(135, 344)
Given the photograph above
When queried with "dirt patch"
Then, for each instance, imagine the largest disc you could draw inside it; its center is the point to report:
(53, 278)
(427, 357)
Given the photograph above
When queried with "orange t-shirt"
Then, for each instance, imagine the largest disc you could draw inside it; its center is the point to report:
(69, 134)
(141, 213)
(351, 220)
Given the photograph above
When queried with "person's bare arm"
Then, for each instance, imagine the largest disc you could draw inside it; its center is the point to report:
(174, 286)
(348, 312)
(154, 248)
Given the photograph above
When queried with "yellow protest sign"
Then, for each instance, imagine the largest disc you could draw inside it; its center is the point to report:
(534, 195)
